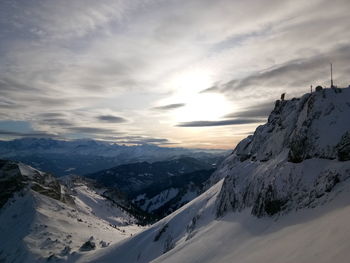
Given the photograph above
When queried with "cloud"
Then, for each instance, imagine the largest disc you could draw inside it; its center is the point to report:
(256, 111)
(56, 122)
(297, 70)
(214, 88)
(111, 118)
(9, 85)
(169, 107)
(9, 104)
(28, 134)
(92, 130)
(145, 141)
(139, 140)
(66, 19)
(52, 114)
(218, 123)
(86, 58)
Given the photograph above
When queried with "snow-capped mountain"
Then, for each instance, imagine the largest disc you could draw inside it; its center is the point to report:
(81, 157)
(281, 196)
(160, 187)
(300, 155)
(42, 219)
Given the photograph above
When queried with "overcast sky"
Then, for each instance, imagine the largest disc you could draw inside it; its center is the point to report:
(191, 73)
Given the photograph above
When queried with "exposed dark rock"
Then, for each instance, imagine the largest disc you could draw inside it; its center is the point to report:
(343, 147)
(267, 202)
(12, 180)
(169, 244)
(88, 246)
(298, 147)
(160, 233)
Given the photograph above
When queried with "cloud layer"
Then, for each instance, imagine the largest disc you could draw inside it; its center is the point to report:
(85, 68)
(169, 106)
(218, 123)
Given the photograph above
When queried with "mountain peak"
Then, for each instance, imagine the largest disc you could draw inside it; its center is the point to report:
(263, 171)
(306, 127)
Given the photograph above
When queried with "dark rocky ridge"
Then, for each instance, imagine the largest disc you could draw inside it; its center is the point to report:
(13, 179)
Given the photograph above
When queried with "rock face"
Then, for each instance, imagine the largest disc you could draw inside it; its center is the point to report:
(15, 176)
(299, 155)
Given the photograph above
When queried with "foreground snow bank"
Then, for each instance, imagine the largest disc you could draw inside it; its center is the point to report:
(170, 232)
(319, 235)
(194, 234)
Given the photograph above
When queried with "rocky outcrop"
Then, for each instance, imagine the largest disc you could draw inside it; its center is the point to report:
(9, 182)
(15, 176)
(295, 159)
(343, 147)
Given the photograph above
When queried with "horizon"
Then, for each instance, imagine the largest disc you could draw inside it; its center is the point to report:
(184, 74)
(112, 143)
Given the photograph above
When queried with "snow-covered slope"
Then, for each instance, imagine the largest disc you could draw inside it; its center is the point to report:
(42, 219)
(173, 231)
(195, 234)
(281, 196)
(319, 235)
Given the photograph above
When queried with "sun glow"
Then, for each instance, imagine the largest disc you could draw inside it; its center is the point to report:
(187, 87)
(204, 106)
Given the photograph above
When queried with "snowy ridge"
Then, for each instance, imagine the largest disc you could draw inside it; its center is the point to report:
(42, 219)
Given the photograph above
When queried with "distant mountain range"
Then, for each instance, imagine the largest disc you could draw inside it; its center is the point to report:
(79, 157)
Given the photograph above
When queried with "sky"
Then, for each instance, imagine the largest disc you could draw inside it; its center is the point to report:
(174, 73)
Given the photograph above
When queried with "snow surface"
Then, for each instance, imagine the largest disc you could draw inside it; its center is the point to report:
(306, 236)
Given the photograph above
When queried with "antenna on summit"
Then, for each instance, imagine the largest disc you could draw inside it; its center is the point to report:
(332, 86)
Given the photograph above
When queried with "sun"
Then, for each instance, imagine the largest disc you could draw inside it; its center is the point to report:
(204, 106)
(188, 89)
